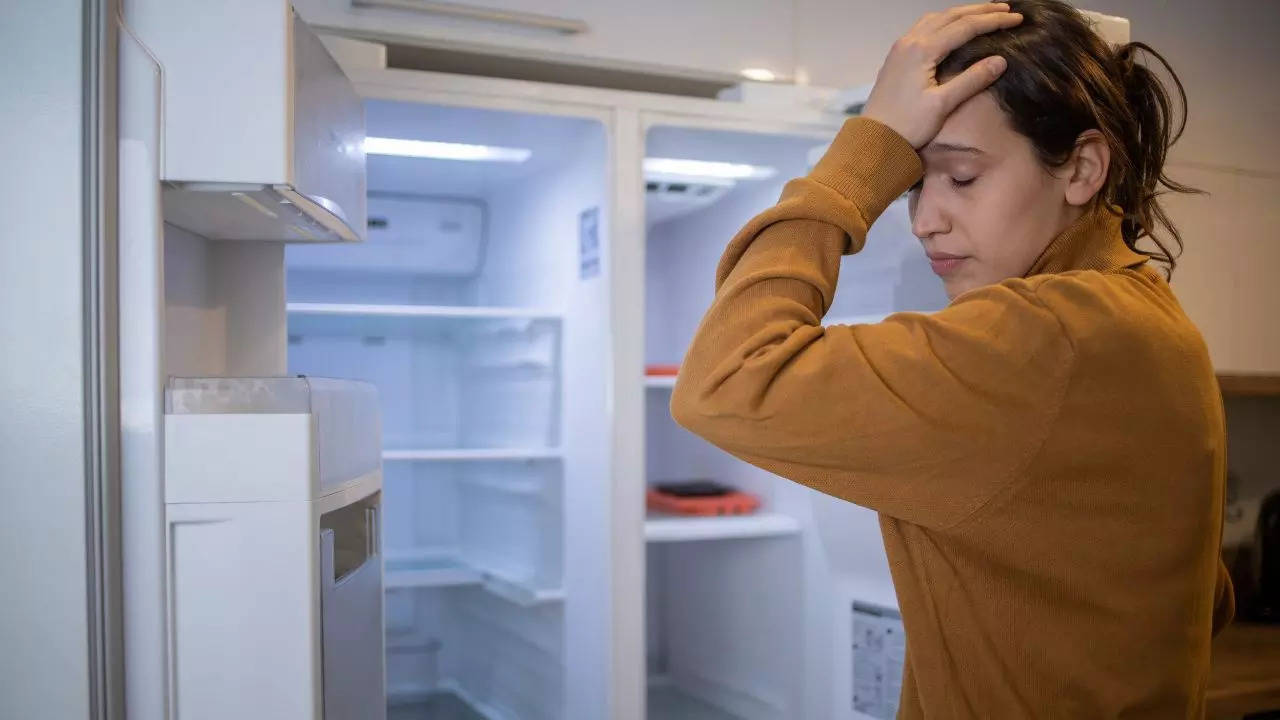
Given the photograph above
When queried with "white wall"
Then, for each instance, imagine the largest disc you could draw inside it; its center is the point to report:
(43, 552)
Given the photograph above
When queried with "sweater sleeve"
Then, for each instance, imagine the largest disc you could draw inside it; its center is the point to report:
(922, 417)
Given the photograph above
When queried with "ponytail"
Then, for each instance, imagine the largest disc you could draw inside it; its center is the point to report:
(1146, 133)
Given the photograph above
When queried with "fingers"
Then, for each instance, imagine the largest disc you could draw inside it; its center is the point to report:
(976, 78)
(966, 28)
(932, 22)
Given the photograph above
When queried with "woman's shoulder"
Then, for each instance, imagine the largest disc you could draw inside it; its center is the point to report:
(1130, 312)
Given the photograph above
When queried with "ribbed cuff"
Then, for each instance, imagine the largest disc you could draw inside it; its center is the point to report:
(870, 165)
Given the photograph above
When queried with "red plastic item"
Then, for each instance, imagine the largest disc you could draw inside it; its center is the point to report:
(732, 503)
(661, 370)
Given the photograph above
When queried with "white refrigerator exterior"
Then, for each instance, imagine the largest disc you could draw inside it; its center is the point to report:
(49, 627)
(263, 136)
(272, 492)
(195, 297)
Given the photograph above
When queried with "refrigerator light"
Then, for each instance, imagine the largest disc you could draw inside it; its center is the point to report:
(701, 169)
(759, 74)
(443, 150)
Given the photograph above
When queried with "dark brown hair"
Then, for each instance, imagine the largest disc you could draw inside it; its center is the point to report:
(1063, 79)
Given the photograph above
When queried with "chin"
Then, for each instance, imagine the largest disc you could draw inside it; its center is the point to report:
(956, 287)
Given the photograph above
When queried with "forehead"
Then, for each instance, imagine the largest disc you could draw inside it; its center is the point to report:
(979, 123)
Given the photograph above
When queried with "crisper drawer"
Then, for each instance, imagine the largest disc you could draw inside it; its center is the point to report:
(407, 234)
(351, 612)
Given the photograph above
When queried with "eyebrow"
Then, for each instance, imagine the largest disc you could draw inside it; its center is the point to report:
(937, 147)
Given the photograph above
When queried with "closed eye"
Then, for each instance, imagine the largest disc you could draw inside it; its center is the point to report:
(958, 182)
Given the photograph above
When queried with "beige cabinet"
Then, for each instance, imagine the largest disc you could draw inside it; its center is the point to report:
(1225, 278)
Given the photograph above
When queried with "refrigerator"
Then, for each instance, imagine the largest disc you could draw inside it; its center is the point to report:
(532, 248)
(495, 284)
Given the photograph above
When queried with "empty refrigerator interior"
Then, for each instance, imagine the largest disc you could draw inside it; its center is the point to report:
(723, 594)
(737, 608)
(467, 308)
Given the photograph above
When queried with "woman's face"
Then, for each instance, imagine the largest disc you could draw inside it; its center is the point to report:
(986, 207)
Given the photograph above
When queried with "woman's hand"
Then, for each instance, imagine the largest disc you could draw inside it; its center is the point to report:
(907, 96)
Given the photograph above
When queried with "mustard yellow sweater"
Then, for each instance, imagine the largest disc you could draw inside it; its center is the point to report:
(1047, 455)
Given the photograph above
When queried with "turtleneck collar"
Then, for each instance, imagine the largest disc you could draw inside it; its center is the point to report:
(1092, 242)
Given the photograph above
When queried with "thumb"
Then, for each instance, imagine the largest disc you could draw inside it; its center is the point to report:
(976, 78)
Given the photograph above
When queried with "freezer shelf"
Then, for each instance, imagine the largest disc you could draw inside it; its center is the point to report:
(667, 702)
(417, 320)
(434, 570)
(675, 528)
(470, 454)
(429, 572)
(442, 705)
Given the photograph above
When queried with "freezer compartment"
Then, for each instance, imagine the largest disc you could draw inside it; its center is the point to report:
(476, 285)
(449, 381)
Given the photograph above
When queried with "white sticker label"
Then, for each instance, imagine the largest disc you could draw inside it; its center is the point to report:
(879, 648)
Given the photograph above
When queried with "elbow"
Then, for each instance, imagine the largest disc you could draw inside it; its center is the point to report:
(690, 404)
(700, 408)
(684, 404)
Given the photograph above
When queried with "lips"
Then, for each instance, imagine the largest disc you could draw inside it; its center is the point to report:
(944, 264)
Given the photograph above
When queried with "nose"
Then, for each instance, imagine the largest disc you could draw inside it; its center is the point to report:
(927, 216)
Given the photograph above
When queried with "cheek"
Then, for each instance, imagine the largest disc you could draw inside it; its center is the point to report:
(1006, 223)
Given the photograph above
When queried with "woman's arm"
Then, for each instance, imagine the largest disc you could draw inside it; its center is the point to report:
(921, 417)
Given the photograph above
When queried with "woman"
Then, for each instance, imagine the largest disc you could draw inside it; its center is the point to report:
(1047, 453)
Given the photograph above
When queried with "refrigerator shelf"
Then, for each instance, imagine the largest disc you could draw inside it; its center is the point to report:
(431, 569)
(307, 318)
(429, 572)
(471, 454)
(674, 528)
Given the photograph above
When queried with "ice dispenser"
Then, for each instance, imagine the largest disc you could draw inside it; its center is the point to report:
(273, 498)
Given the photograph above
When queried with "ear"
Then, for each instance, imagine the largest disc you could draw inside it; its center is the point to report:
(1088, 167)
